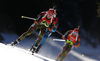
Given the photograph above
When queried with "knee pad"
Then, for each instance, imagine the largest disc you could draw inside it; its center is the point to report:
(42, 31)
(25, 35)
(64, 48)
(69, 49)
(40, 39)
(33, 28)
(65, 55)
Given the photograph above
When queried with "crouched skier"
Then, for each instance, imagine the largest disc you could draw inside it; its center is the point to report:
(45, 20)
(47, 34)
(71, 38)
(39, 42)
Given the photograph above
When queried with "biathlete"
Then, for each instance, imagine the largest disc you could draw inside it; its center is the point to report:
(46, 22)
(71, 38)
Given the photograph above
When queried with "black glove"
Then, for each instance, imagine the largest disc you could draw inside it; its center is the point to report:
(76, 42)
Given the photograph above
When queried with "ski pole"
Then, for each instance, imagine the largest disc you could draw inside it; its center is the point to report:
(75, 47)
(28, 17)
(59, 32)
(64, 40)
(62, 34)
(78, 26)
(58, 40)
(79, 51)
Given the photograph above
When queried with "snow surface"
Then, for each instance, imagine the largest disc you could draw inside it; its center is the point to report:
(49, 50)
(9, 53)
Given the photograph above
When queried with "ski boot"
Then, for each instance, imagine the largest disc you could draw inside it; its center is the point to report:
(14, 43)
(38, 48)
(33, 49)
(36, 51)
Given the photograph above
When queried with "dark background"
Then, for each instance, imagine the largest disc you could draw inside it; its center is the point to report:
(71, 13)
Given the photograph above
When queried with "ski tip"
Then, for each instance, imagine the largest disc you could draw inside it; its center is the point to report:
(53, 39)
(82, 54)
(21, 16)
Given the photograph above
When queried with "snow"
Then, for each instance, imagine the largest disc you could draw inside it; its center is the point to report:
(48, 52)
(9, 53)
(81, 57)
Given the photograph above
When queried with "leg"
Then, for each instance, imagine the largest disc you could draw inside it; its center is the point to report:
(38, 41)
(64, 53)
(47, 34)
(66, 49)
(29, 32)
(25, 34)
(64, 56)
(59, 56)
(42, 32)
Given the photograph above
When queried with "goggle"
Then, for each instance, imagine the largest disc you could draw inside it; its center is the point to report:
(75, 33)
(51, 10)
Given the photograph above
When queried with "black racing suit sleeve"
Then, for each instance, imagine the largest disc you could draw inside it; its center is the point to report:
(39, 16)
(54, 26)
(67, 33)
(77, 42)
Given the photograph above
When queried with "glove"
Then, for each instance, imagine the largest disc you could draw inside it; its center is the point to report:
(36, 22)
(76, 43)
(50, 29)
(53, 30)
(63, 37)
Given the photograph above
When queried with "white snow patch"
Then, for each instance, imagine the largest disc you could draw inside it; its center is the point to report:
(83, 58)
(8, 53)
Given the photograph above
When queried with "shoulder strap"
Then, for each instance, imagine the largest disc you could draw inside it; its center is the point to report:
(51, 18)
(76, 36)
(45, 15)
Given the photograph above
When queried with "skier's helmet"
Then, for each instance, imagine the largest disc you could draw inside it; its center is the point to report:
(52, 11)
(76, 30)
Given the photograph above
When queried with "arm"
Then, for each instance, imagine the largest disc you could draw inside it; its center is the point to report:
(54, 25)
(39, 17)
(77, 44)
(66, 34)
